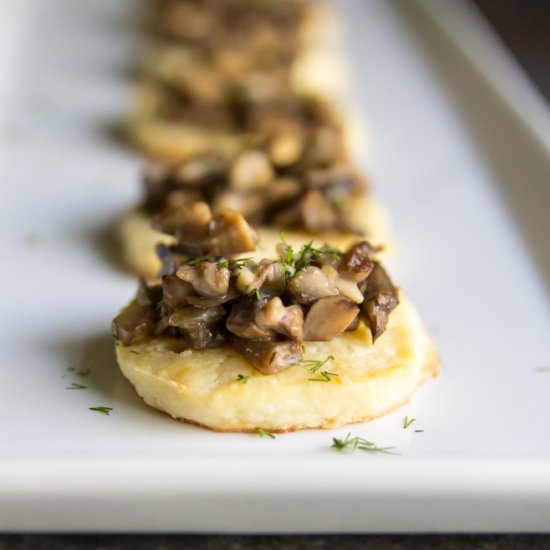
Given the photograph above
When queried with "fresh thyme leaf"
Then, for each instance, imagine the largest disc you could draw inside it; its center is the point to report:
(354, 443)
(103, 410)
(196, 261)
(134, 351)
(75, 386)
(407, 422)
(243, 378)
(83, 372)
(224, 264)
(264, 433)
(257, 294)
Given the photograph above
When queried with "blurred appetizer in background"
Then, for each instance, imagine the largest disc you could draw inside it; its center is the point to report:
(319, 197)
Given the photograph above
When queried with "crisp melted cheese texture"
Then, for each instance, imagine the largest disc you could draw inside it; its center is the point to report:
(203, 387)
(138, 240)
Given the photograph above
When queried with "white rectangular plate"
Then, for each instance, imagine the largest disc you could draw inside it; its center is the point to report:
(465, 177)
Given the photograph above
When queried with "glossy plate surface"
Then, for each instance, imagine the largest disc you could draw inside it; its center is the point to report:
(464, 171)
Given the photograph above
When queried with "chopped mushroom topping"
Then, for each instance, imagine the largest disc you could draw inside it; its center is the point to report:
(202, 328)
(269, 357)
(268, 273)
(242, 319)
(310, 284)
(200, 170)
(134, 324)
(207, 278)
(380, 300)
(200, 234)
(284, 320)
(268, 308)
(231, 234)
(329, 317)
(357, 263)
(186, 223)
(318, 213)
(250, 170)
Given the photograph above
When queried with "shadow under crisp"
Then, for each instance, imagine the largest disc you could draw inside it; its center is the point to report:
(104, 240)
(91, 361)
(516, 158)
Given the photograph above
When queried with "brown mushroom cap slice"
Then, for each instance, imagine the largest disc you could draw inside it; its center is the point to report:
(199, 171)
(242, 319)
(231, 234)
(286, 320)
(268, 274)
(208, 279)
(178, 293)
(318, 214)
(311, 284)
(356, 264)
(269, 357)
(329, 317)
(381, 298)
(187, 223)
(202, 328)
(250, 170)
(134, 323)
(174, 292)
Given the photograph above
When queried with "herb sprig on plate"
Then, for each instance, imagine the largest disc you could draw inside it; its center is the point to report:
(359, 443)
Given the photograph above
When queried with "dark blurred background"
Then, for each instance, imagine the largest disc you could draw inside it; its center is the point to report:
(524, 25)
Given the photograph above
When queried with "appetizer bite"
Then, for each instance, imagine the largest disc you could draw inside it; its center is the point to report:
(316, 337)
(302, 185)
(211, 63)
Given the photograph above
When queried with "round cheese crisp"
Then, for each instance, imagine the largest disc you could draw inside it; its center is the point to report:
(139, 240)
(219, 389)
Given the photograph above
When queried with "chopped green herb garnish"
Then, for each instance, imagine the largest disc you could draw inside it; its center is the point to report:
(196, 261)
(241, 262)
(418, 431)
(287, 260)
(308, 254)
(257, 294)
(325, 376)
(264, 433)
(75, 386)
(313, 366)
(243, 378)
(407, 422)
(103, 410)
(134, 351)
(354, 443)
